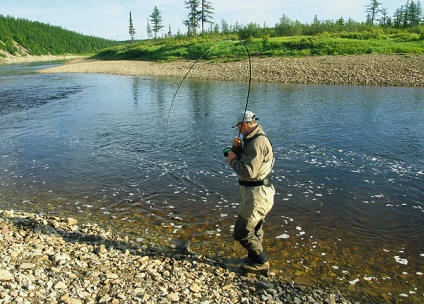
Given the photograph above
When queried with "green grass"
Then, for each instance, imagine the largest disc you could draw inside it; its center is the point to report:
(230, 48)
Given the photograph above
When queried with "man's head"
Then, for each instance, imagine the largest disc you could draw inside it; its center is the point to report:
(247, 116)
(246, 122)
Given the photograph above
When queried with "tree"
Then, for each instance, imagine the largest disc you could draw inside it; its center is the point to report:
(225, 29)
(408, 15)
(169, 31)
(156, 21)
(385, 19)
(149, 30)
(131, 30)
(194, 16)
(206, 14)
(398, 17)
(415, 12)
(372, 10)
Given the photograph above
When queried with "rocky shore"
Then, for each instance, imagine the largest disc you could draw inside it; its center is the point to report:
(17, 59)
(49, 259)
(370, 70)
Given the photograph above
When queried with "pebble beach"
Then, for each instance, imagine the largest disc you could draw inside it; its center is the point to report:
(367, 70)
(49, 259)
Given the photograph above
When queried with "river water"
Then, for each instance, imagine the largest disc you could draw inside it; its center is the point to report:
(349, 172)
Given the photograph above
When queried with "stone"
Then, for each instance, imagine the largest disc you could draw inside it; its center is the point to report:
(27, 266)
(195, 288)
(105, 299)
(70, 221)
(173, 297)
(5, 231)
(5, 275)
(60, 285)
(100, 249)
(110, 275)
(227, 287)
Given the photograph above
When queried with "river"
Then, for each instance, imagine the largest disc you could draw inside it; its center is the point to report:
(349, 172)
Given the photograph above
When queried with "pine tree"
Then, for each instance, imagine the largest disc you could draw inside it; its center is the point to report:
(149, 30)
(372, 10)
(206, 14)
(194, 16)
(156, 21)
(131, 28)
(169, 31)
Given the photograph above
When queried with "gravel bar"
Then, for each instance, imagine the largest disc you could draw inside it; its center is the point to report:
(368, 70)
(49, 259)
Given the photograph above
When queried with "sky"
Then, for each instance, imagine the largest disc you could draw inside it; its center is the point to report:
(110, 18)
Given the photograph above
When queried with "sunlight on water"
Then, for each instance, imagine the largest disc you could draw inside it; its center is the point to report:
(349, 171)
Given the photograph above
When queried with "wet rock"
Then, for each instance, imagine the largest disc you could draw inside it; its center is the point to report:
(59, 264)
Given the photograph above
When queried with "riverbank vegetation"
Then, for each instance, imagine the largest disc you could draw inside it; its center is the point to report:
(224, 48)
(380, 34)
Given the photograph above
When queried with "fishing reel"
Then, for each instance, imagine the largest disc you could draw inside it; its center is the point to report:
(225, 151)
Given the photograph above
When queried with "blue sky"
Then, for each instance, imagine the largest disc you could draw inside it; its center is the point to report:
(109, 18)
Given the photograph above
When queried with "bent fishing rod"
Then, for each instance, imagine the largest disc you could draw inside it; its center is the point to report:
(228, 149)
(194, 64)
(185, 76)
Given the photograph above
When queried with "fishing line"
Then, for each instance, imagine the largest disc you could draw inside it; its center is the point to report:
(250, 81)
(188, 72)
(185, 76)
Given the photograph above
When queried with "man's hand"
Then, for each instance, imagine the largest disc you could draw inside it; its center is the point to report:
(237, 142)
(231, 156)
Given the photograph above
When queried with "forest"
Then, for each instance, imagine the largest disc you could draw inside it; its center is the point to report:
(41, 39)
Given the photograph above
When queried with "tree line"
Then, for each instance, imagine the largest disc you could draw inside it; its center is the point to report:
(200, 14)
(39, 38)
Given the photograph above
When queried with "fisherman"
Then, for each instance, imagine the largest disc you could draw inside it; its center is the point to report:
(252, 161)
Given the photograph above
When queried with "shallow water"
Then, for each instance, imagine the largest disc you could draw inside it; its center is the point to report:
(349, 170)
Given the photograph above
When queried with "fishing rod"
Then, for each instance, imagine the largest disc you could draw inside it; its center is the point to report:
(250, 81)
(193, 65)
(228, 149)
(185, 76)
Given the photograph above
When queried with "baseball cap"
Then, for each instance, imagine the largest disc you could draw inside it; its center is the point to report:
(248, 116)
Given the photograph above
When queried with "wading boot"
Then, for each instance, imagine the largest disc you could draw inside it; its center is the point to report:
(258, 264)
(255, 268)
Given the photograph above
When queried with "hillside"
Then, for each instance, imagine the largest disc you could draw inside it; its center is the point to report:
(22, 37)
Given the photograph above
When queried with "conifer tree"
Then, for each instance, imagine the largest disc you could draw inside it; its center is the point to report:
(156, 21)
(194, 16)
(149, 30)
(372, 9)
(131, 28)
(169, 31)
(206, 14)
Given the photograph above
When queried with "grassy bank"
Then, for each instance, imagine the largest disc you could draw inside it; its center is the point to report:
(230, 49)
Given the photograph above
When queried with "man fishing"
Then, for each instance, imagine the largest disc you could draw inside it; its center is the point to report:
(252, 161)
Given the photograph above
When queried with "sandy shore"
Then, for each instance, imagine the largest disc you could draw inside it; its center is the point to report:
(49, 259)
(372, 70)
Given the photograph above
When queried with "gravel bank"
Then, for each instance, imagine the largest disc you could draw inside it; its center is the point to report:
(48, 259)
(371, 70)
